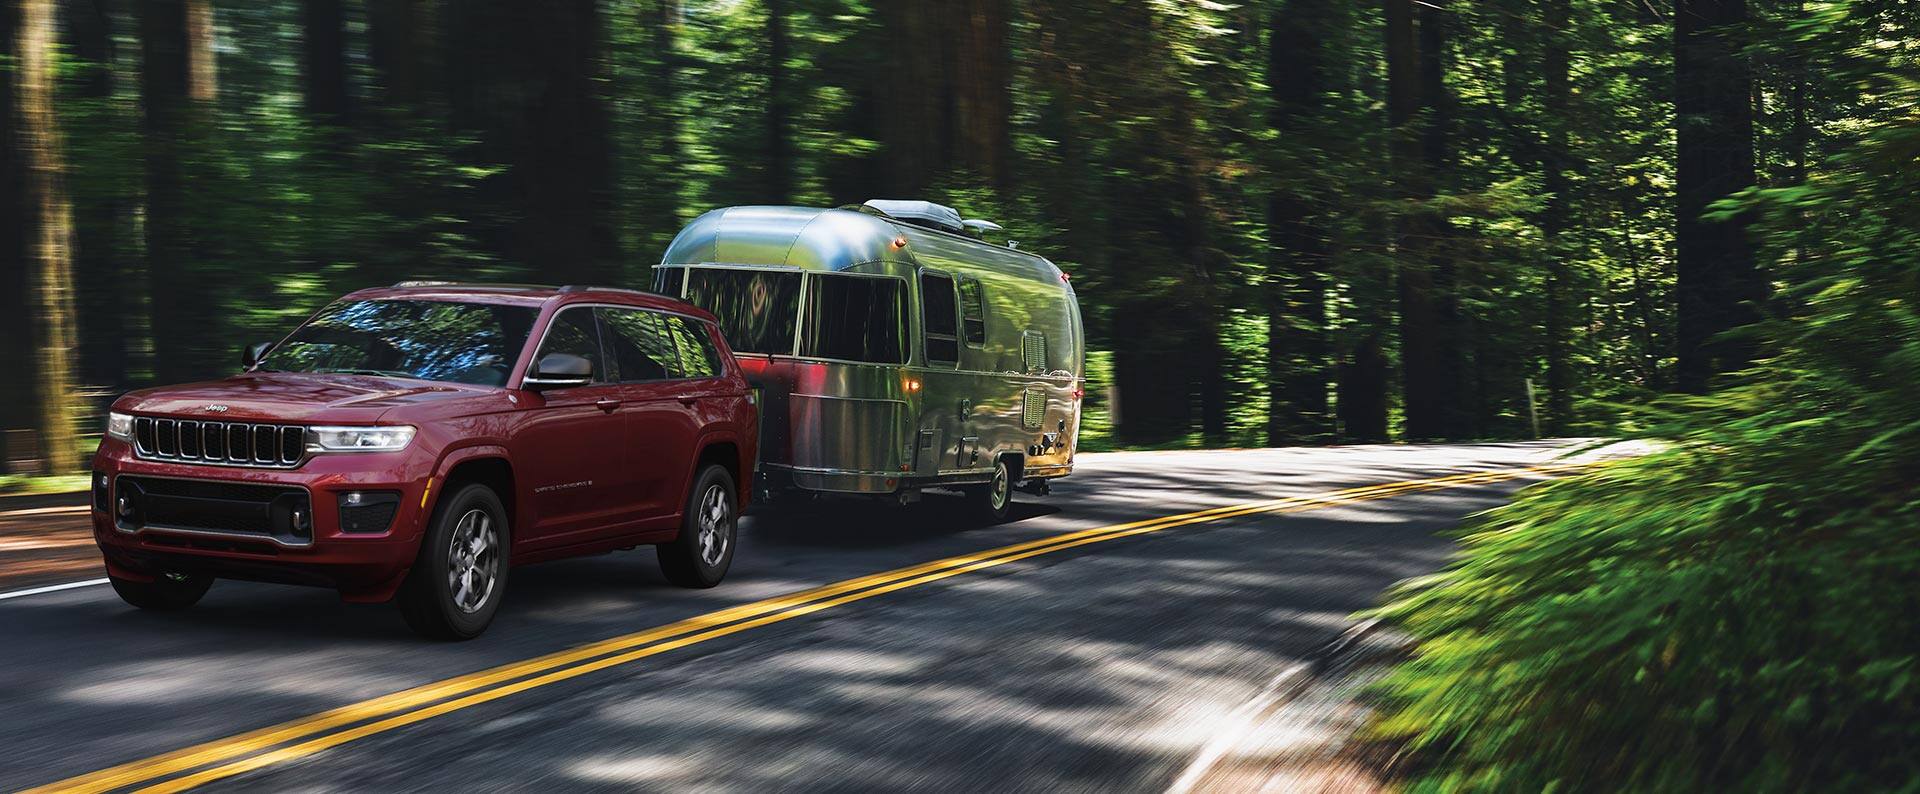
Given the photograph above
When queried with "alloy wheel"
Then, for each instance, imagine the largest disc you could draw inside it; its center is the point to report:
(714, 522)
(473, 561)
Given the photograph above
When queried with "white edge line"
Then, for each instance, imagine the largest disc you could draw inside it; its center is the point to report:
(1242, 720)
(52, 588)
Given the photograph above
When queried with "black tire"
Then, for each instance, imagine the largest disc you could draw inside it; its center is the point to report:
(990, 502)
(166, 593)
(453, 596)
(700, 555)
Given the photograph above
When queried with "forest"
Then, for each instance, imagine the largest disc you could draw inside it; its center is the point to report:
(1289, 222)
(1298, 221)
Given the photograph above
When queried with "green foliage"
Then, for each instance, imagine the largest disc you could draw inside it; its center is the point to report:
(1735, 612)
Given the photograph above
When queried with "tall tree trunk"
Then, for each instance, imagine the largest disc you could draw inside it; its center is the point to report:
(779, 188)
(53, 237)
(101, 292)
(1719, 284)
(17, 395)
(1553, 220)
(1447, 343)
(983, 89)
(1421, 366)
(176, 82)
(323, 62)
(1298, 354)
(658, 203)
(912, 103)
(400, 46)
(566, 164)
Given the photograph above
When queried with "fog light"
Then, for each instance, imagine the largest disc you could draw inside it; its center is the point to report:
(354, 499)
(126, 507)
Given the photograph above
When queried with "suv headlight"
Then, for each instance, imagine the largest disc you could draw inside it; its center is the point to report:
(120, 425)
(361, 439)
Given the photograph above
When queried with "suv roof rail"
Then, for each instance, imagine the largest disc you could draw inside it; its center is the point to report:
(586, 287)
(469, 285)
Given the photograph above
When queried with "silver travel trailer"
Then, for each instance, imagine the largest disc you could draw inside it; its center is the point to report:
(894, 350)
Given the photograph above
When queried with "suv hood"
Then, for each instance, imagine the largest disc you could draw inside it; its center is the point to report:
(292, 397)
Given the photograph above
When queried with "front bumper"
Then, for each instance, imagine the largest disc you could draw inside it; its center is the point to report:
(362, 565)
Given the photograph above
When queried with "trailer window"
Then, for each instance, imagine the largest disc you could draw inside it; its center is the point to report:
(669, 281)
(973, 311)
(940, 318)
(855, 318)
(757, 308)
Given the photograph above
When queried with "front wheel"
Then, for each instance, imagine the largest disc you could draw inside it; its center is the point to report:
(991, 501)
(700, 556)
(458, 579)
(166, 593)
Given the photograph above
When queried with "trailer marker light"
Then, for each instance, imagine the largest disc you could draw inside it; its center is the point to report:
(913, 385)
(899, 242)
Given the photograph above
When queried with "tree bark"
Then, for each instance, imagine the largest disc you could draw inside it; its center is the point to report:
(100, 272)
(52, 242)
(912, 107)
(779, 189)
(18, 408)
(176, 82)
(1298, 354)
(658, 202)
(566, 164)
(323, 62)
(1553, 220)
(983, 89)
(1719, 284)
(401, 48)
(1421, 366)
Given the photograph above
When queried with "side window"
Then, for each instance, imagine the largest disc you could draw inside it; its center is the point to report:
(973, 311)
(698, 358)
(574, 331)
(940, 318)
(670, 281)
(638, 344)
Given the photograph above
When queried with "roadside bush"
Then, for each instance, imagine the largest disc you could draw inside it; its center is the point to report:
(1742, 610)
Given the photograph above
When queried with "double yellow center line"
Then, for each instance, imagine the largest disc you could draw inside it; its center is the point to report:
(303, 737)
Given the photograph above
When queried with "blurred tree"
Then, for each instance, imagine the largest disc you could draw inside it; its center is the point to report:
(1719, 284)
(779, 171)
(52, 244)
(1298, 353)
(176, 84)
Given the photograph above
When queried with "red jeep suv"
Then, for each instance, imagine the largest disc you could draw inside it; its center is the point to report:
(421, 440)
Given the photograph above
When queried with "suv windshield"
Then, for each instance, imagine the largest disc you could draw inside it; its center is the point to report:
(431, 340)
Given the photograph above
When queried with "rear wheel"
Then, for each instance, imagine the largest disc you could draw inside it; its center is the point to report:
(167, 592)
(461, 574)
(700, 556)
(991, 501)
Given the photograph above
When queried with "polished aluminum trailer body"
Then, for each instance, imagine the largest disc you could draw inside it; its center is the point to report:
(910, 357)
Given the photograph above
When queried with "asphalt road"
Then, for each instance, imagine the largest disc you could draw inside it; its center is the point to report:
(1099, 666)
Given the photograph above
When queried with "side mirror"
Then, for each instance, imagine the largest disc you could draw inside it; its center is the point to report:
(559, 371)
(251, 354)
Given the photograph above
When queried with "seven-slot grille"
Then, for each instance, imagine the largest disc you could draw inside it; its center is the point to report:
(224, 443)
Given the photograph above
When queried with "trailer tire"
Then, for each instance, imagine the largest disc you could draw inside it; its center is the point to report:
(991, 501)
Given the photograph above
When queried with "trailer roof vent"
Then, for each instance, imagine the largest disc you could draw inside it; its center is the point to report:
(919, 213)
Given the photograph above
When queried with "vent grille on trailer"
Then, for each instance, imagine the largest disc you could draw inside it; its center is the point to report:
(1034, 407)
(1033, 351)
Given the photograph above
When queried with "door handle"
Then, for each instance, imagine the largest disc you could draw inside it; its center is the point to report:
(606, 404)
(689, 401)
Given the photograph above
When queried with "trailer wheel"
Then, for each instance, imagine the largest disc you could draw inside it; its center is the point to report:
(991, 501)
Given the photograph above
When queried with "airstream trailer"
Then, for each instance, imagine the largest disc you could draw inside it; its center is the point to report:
(894, 350)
